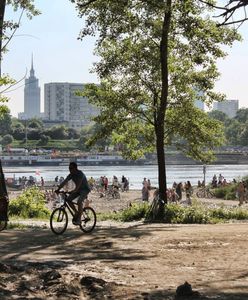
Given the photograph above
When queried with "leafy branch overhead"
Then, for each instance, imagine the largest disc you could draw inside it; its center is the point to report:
(130, 68)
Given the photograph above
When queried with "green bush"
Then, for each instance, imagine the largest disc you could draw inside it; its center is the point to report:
(30, 204)
(186, 215)
(226, 192)
(178, 214)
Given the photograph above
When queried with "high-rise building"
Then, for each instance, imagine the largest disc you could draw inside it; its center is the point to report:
(63, 104)
(229, 107)
(31, 96)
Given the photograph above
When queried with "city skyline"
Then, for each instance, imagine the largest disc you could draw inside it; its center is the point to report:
(60, 57)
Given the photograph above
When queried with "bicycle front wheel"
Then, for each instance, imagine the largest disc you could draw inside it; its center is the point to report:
(88, 219)
(3, 225)
(58, 221)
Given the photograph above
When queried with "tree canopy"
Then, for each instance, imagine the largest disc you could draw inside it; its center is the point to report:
(156, 59)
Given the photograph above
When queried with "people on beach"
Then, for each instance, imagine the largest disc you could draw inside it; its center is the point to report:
(179, 190)
(145, 190)
(188, 188)
(42, 182)
(241, 192)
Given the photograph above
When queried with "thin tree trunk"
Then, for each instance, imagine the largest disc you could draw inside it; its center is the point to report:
(160, 122)
(2, 11)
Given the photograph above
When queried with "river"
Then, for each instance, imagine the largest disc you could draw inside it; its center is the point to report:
(135, 174)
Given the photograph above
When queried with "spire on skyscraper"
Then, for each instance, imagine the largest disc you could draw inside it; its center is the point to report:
(32, 67)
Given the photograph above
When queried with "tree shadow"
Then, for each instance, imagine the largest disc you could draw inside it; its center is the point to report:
(74, 245)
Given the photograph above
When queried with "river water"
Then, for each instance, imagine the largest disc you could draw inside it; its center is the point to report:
(135, 174)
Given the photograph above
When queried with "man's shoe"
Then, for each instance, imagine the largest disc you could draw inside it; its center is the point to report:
(76, 222)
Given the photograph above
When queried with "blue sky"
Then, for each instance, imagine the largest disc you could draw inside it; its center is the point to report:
(60, 57)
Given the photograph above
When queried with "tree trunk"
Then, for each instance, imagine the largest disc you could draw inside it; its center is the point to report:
(2, 11)
(160, 121)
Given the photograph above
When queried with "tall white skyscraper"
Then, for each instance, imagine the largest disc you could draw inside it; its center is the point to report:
(31, 96)
(62, 104)
(229, 107)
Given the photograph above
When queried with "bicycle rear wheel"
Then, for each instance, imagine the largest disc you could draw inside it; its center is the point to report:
(3, 225)
(210, 195)
(200, 194)
(59, 220)
(88, 219)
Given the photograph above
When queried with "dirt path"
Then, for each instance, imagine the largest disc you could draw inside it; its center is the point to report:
(125, 261)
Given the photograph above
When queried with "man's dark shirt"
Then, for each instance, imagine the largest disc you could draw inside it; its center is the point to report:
(78, 177)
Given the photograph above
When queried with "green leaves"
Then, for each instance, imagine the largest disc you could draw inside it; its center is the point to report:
(130, 95)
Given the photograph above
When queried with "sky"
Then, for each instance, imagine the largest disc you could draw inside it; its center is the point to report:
(60, 57)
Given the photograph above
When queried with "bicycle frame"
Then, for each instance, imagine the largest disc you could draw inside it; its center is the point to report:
(66, 205)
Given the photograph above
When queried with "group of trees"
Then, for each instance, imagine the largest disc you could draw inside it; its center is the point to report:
(12, 128)
(235, 129)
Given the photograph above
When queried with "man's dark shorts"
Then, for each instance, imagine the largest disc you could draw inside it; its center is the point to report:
(82, 196)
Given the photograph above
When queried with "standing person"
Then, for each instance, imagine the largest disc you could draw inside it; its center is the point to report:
(145, 191)
(81, 191)
(42, 182)
(188, 188)
(241, 192)
(149, 185)
(179, 190)
(105, 182)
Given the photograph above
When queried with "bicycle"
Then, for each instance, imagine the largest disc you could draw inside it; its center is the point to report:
(205, 193)
(59, 217)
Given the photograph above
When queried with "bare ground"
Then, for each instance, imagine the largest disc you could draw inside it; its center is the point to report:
(125, 261)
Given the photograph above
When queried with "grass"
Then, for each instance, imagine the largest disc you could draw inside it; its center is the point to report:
(178, 214)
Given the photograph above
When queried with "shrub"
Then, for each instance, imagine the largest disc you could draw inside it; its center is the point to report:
(226, 192)
(30, 204)
(178, 214)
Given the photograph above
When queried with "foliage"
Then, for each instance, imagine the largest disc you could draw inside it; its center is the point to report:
(44, 139)
(228, 192)
(218, 115)
(63, 145)
(242, 115)
(30, 204)
(5, 123)
(34, 134)
(57, 132)
(178, 214)
(156, 59)
(85, 139)
(236, 129)
(35, 124)
(17, 129)
(7, 139)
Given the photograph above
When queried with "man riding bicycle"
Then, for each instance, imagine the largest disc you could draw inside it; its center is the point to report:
(81, 191)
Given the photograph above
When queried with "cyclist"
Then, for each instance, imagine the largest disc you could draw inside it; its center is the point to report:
(81, 191)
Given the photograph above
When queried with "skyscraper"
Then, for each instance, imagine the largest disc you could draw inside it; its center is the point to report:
(229, 107)
(63, 104)
(31, 96)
